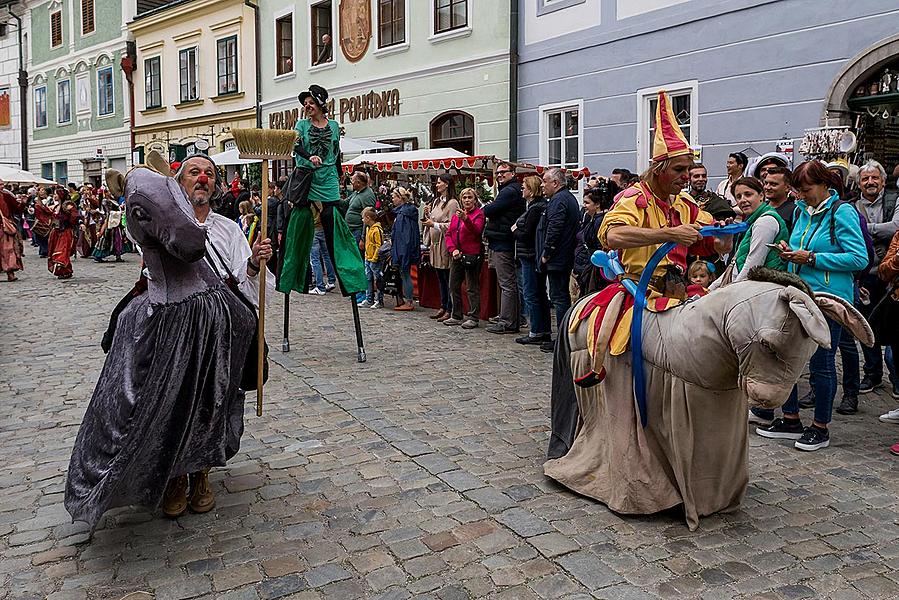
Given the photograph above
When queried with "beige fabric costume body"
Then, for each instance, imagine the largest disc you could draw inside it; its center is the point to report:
(701, 360)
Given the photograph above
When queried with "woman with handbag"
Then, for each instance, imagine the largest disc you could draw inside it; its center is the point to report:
(10, 239)
(43, 222)
(436, 221)
(465, 244)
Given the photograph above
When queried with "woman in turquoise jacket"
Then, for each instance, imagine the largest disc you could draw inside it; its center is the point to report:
(826, 248)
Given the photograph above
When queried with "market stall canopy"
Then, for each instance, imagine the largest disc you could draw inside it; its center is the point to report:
(434, 161)
(350, 145)
(14, 175)
(231, 157)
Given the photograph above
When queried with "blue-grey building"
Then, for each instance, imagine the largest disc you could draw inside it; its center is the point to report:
(743, 75)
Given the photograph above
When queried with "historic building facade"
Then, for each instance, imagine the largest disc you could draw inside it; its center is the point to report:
(196, 61)
(79, 97)
(744, 75)
(418, 74)
(10, 105)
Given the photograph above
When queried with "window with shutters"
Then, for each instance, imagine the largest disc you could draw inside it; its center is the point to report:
(284, 44)
(87, 17)
(56, 29)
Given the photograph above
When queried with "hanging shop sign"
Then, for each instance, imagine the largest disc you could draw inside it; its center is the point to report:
(284, 119)
(785, 146)
(372, 105)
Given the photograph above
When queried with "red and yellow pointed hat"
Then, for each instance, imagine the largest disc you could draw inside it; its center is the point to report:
(669, 140)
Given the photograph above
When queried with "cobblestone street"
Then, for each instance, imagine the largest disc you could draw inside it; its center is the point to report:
(417, 474)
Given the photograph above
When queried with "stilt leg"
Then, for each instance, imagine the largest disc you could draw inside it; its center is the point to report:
(359, 344)
(285, 341)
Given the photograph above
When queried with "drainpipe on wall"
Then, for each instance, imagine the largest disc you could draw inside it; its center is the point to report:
(513, 81)
(258, 44)
(129, 66)
(23, 93)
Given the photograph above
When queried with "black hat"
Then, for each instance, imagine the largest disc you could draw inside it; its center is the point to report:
(317, 93)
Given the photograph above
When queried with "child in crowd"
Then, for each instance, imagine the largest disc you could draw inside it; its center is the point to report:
(374, 238)
(248, 220)
(701, 274)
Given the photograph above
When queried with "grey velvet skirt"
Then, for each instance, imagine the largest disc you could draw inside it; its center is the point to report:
(167, 402)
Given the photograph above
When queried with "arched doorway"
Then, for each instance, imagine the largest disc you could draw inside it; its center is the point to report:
(865, 97)
(453, 129)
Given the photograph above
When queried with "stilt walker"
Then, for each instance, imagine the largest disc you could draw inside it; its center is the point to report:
(264, 144)
(317, 157)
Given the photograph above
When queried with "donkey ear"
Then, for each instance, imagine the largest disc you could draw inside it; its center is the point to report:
(846, 315)
(115, 181)
(810, 316)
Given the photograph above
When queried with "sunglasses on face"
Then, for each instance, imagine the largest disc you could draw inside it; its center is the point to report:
(502, 172)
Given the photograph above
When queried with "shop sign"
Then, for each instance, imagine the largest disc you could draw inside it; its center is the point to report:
(372, 105)
(785, 146)
(158, 146)
(697, 153)
(230, 145)
(284, 119)
(5, 116)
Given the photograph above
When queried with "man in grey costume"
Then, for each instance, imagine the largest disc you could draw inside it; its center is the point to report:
(168, 402)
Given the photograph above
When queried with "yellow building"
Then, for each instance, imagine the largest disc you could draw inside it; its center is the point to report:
(196, 75)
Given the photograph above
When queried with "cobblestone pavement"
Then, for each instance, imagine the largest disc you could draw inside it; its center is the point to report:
(417, 474)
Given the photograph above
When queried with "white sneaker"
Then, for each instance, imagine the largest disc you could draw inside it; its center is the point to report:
(376, 305)
(364, 304)
(330, 287)
(757, 420)
(890, 417)
(316, 292)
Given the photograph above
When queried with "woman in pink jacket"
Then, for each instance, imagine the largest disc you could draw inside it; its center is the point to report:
(465, 246)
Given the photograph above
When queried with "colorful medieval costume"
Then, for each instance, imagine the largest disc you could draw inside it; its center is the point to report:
(168, 401)
(323, 144)
(62, 239)
(10, 237)
(43, 225)
(91, 220)
(598, 445)
(110, 239)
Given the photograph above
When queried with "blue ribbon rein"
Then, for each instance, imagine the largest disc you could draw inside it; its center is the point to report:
(640, 305)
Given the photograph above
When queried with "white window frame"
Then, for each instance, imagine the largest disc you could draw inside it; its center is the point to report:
(101, 68)
(452, 34)
(544, 110)
(42, 87)
(335, 41)
(644, 96)
(59, 82)
(378, 51)
(293, 24)
(161, 98)
(196, 74)
(236, 36)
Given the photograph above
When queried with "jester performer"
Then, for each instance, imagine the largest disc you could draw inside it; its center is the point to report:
(319, 169)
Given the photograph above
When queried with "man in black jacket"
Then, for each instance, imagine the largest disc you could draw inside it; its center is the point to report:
(556, 241)
(501, 215)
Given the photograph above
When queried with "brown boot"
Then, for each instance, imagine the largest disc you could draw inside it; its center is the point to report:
(174, 502)
(201, 497)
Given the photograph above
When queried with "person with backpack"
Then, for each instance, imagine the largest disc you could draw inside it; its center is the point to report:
(825, 249)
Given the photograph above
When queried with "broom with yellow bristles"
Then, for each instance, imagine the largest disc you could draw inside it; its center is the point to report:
(266, 145)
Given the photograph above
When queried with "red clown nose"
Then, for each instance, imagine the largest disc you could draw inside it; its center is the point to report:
(203, 179)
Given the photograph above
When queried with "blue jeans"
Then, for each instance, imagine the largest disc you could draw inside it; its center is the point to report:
(408, 288)
(446, 300)
(823, 371)
(559, 294)
(375, 282)
(533, 287)
(320, 253)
